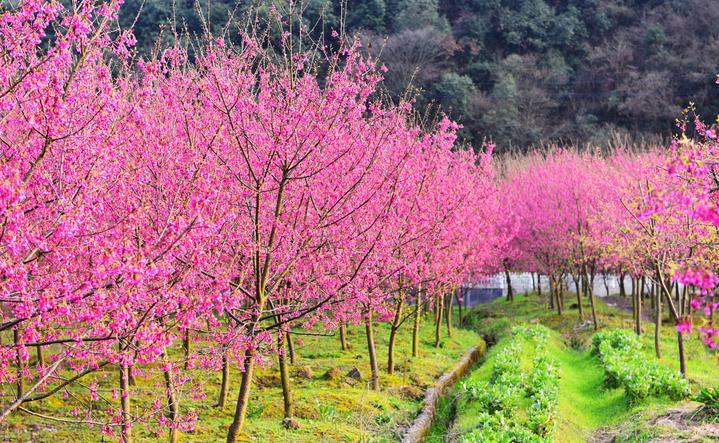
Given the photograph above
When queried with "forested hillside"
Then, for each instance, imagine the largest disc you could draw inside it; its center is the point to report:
(522, 72)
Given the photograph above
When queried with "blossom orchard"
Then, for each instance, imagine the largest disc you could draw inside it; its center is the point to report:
(166, 216)
(645, 215)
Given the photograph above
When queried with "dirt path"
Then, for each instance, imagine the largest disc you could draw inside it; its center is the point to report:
(679, 424)
(625, 304)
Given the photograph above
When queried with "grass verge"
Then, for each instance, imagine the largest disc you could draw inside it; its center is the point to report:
(340, 409)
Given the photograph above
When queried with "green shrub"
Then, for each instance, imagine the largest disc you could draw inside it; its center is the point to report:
(709, 397)
(626, 366)
(499, 399)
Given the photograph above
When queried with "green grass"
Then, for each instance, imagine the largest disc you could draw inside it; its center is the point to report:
(585, 405)
(337, 410)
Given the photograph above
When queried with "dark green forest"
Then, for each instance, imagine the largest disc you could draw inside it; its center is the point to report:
(520, 72)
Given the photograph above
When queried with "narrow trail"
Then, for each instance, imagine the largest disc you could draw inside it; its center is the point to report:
(584, 403)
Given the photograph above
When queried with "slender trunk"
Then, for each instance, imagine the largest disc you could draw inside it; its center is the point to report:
(393, 333)
(417, 319)
(510, 291)
(675, 316)
(557, 294)
(652, 297)
(539, 284)
(126, 425)
(374, 371)
(638, 318)
(437, 315)
(20, 366)
(657, 320)
(690, 296)
(606, 285)
(224, 386)
(131, 376)
(634, 306)
(343, 336)
(551, 292)
(622, 289)
(450, 299)
(590, 290)
(643, 290)
(186, 348)
(172, 405)
(459, 307)
(534, 285)
(40, 357)
(438, 326)
(290, 347)
(579, 298)
(682, 358)
(243, 397)
(284, 376)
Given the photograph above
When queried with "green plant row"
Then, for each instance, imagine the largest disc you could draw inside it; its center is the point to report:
(625, 365)
(508, 385)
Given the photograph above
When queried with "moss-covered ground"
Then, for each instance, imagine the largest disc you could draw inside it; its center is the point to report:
(338, 410)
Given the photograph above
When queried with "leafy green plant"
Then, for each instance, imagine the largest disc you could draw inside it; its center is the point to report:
(499, 399)
(709, 398)
(625, 366)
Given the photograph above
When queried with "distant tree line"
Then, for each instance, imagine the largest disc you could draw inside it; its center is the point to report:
(519, 72)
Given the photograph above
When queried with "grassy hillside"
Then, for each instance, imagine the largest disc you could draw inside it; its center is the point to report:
(340, 409)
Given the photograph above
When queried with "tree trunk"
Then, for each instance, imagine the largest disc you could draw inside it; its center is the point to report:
(634, 306)
(243, 397)
(374, 371)
(638, 318)
(579, 298)
(675, 316)
(606, 285)
(657, 320)
(224, 386)
(539, 284)
(40, 356)
(394, 327)
(622, 289)
(284, 376)
(682, 358)
(450, 299)
(551, 292)
(20, 386)
(438, 326)
(510, 291)
(417, 320)
(131, 376)
(126, 425)
(172, 405)
(557, 295)
(343, 336)
(186, 348)
(460, 301)
(643, 290)
(590, 290)
(690, 296)
(290, 347)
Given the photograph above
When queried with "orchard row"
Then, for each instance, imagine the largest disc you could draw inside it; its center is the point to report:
(237, 195)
